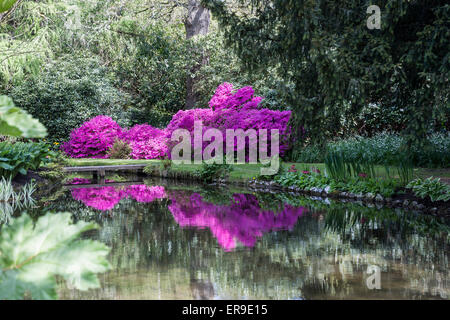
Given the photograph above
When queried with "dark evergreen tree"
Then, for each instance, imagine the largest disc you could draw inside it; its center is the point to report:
(338, 64)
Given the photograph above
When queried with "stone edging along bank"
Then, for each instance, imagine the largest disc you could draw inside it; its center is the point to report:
(407, 201)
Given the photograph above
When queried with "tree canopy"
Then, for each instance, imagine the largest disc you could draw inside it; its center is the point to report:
(337, 64)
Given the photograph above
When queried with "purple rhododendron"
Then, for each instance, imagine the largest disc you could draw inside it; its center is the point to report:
(146, 142)
(93, 139)
(229, 109)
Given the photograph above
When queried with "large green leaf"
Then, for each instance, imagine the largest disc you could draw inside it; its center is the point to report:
(16, 122)
(31, 255)
(5, 5)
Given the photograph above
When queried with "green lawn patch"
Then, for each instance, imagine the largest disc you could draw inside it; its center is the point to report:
(246, 172)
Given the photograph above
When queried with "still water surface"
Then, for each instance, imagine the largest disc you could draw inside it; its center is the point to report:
(178, 242)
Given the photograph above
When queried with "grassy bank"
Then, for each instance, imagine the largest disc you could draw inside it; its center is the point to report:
(246, 172)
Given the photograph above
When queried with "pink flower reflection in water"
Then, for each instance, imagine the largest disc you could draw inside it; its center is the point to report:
(106, 198)
(243, 220)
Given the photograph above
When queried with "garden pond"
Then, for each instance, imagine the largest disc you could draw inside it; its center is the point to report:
(177, 241)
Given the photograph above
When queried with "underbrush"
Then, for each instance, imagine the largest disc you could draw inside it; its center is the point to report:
(382, 149)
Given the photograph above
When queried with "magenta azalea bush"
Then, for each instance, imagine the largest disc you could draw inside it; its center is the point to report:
(93, 139)
(228, 109)
(146, 142)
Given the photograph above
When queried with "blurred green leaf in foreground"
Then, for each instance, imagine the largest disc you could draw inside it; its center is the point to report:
(32, 254)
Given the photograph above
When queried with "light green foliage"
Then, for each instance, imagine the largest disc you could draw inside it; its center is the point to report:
(433, 188)
(16, 122)
(33, 254)
(5, 5)
(120, 150)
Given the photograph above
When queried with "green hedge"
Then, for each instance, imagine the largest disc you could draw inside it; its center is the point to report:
(69, 92)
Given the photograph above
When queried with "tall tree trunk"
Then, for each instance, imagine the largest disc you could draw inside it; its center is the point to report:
(196, 23)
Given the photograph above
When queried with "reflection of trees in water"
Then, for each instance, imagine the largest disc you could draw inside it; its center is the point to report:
(325, 255)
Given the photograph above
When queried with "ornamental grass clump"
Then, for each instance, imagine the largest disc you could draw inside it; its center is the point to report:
(120, 150)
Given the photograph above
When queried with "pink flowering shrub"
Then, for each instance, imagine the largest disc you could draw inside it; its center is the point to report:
(93, 139)
(146, 142)
(185, 120)
(229, 109)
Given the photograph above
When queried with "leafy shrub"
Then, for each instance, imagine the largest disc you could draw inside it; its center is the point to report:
(307, 180)
(210, 172)
(34, 253)
(120, 150)
(67, 93)
(20, 157)
(309, 154)
(433, 188)
(93, 139)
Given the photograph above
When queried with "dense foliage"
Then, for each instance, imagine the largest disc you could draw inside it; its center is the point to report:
(20, 157)
(68, 92)
(433, 188)
(382, 149)
(318, 182)
(338, 64)
(211, 172)
(387, 149)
